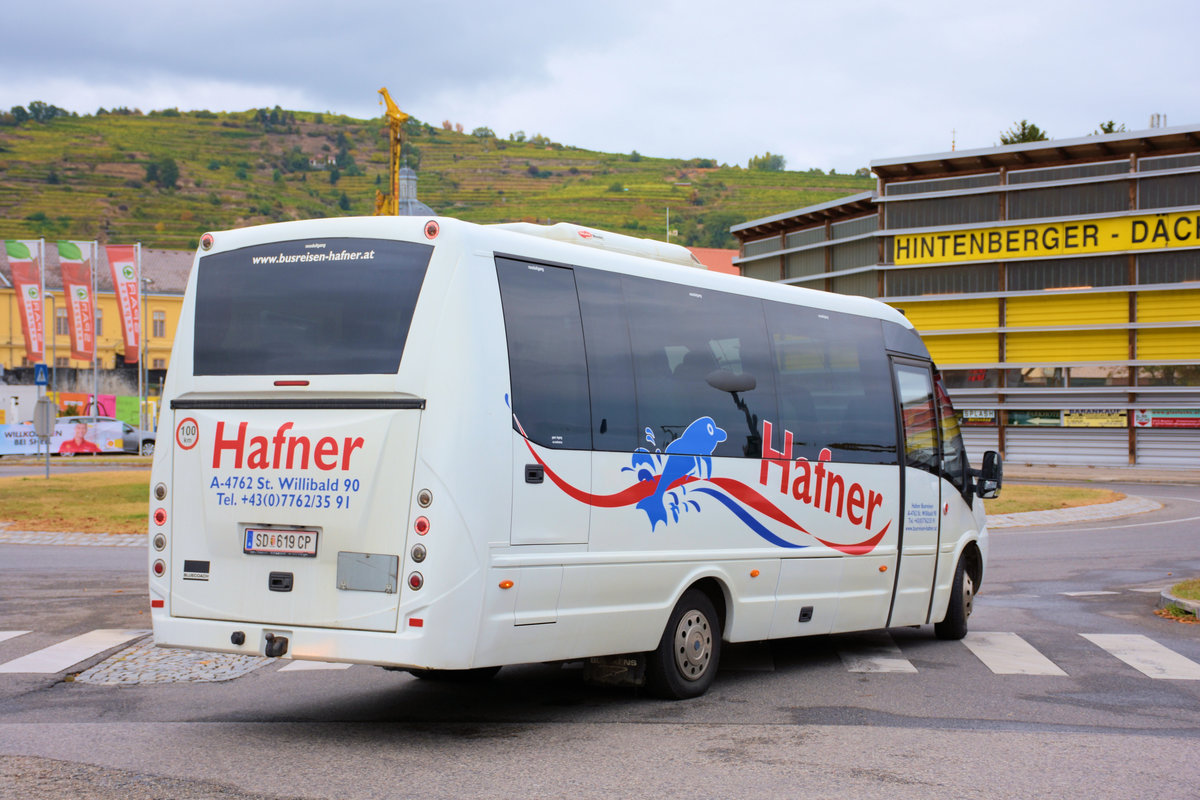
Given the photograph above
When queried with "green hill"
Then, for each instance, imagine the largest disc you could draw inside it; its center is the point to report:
(109, 176)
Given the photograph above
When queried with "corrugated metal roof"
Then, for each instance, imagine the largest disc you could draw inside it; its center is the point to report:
(1154, 141)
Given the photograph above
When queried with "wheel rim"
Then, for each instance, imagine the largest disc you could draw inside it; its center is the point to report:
(693, 645)
(968, 594)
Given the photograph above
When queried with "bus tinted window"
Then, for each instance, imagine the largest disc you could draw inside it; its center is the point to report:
(610, 364)
(546, 361)
(954, 452)
(834, 384)
(920, 419)
(307, 307)
(697, 353)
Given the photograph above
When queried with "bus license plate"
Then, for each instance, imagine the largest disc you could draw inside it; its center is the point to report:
(277, 542)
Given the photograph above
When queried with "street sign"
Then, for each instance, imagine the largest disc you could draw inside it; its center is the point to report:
(41, 375)
(44, 414)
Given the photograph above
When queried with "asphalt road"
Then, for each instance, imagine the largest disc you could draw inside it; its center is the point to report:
(785, 719)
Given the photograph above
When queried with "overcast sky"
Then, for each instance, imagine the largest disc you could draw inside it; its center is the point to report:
(826, 84)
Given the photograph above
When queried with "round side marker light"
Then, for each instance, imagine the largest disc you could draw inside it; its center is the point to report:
(883, 567)
(421, 526)
(416, 580)
(506, 584)
(206, 241)
(160, 516)
(432, 229)
(160, 568)
(753, 573)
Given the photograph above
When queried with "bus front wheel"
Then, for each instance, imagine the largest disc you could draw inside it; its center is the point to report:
(685, 663)
(962, 599)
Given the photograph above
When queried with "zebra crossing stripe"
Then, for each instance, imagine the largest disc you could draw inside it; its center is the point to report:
(1009, 654)
(64, 655)
(4, 635)
(299, 666)
(878, 655)
(1146, 655)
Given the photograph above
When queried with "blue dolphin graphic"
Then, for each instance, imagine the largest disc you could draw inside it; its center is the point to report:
(683, 458)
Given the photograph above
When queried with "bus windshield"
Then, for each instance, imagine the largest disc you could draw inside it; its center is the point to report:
(307, 307)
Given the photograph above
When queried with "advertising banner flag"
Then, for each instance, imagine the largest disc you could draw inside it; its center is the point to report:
(122, 260)
(24, 260)
(76, 262)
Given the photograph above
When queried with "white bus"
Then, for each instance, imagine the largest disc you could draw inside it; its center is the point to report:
(431, 445)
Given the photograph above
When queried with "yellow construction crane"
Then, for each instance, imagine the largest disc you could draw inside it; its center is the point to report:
(389, 204)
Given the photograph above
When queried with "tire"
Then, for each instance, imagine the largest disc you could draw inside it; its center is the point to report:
(479, 675)
(962, 600)
(685, 663)
(147, 448)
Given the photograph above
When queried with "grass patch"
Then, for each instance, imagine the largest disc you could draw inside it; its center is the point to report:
(1017, 498)
(90, 502)
(1187, 590)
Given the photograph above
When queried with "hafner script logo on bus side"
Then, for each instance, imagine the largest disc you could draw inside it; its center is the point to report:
(283, 451)
(668, 482)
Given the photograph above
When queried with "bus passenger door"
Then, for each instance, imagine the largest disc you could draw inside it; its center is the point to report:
(551, 411)
(922, 494)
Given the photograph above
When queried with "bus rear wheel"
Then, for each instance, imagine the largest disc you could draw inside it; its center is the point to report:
(685, 663)
(962, 600)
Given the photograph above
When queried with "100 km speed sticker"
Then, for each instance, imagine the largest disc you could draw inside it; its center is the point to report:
(187, 433)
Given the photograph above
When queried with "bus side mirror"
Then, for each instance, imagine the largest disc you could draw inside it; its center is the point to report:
(726, 381)
(990, 476)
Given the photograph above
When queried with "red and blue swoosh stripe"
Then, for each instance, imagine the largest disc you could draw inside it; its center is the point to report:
(734, 495)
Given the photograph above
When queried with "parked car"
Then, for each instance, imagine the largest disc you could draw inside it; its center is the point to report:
(133, 440)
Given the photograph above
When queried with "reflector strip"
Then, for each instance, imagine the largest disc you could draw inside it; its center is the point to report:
(157, 604)
(416, 622)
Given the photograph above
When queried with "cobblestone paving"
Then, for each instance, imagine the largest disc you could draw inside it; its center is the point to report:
(143, 663)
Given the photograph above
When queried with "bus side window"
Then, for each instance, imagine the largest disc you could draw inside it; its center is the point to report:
(920, 418)
(954, 452)
(610, 362)
(546, 360)
(689, 346)
(834, 384)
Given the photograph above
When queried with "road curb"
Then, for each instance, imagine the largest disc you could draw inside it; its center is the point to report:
(1167, 599)
(1126, 507)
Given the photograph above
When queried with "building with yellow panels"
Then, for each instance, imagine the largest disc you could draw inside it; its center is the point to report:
(1056, 283)
(165, 274)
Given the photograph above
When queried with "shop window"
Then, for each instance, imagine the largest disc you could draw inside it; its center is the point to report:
(971, 378)
(1037, 377)
(1169, 375)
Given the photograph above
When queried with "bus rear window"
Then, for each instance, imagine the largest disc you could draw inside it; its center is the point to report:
(307, 307)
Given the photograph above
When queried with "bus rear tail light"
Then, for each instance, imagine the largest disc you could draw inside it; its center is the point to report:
(159, 568)
(421, 526)
(416, 580)
(160, 516)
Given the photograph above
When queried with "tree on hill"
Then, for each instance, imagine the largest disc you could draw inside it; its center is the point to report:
(164, 172)
(1023, 131)
(768, 162)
